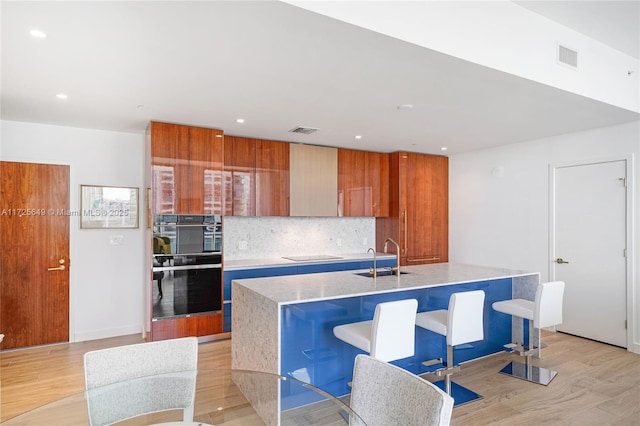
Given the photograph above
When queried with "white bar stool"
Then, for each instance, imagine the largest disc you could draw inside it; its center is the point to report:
(389, 336)
(545, 311)
(462, 322)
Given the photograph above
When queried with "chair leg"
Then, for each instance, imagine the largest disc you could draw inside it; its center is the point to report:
(460, 394)
(528, 371)
(160, 287)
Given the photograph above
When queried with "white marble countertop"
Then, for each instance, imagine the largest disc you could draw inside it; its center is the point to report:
(336, 285)
(231, 265)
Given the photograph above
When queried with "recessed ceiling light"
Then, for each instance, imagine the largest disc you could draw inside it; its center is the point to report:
(38, 34)
(62, 96)
(240, 120)
(358, 136)
(218, 136)
(443, 148)
(405, 107)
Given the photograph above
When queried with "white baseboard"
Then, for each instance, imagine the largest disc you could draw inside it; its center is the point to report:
(109, 332)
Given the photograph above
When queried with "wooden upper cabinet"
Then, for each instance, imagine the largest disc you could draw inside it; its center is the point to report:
(169, 168)
(272, 178)
(363, 183)
(205, 171)
(256, 177)
(186, 169)
(376, 176)
(418, 209)
(239, 176)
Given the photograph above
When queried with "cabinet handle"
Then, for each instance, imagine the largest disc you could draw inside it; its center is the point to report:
(422, 259)
(404, 214)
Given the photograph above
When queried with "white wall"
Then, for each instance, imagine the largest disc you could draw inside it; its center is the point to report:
(106, 287)
(490, 33)
(499, 201)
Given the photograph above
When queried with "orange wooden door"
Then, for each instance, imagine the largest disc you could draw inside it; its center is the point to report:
(34, 266)
(205, 182)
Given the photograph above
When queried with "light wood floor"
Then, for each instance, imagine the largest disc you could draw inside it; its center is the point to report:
(597, 384)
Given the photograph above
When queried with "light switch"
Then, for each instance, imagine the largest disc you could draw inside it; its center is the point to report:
(116, 240)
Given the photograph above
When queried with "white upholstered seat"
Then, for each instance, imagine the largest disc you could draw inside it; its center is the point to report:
(461, 323)
(389, 336)
(544, 311)
(384, 395)
(166, 372)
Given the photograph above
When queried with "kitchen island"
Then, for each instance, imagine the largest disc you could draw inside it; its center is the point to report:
(285, 324)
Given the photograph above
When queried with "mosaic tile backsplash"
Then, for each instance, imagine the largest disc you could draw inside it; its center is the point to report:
(271, 237)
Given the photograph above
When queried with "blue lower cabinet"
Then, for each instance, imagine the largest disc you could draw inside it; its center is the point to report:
(229, 276)
(310, 351)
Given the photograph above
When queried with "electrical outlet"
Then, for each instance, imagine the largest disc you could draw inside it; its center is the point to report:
(242, 245)
(339, 242)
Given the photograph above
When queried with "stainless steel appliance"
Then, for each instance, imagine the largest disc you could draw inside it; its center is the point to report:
(187, 265)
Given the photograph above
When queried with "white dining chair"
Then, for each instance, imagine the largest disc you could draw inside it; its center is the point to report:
(384, 394)
(165, 373)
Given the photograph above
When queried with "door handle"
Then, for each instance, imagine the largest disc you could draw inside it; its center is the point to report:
(58, 268)
(561, 260)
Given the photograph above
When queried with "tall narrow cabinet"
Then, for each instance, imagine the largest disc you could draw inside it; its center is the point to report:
(418, 210)
(185, 176)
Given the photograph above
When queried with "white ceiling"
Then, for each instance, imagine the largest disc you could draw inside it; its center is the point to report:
(615, 23)
(273, 64)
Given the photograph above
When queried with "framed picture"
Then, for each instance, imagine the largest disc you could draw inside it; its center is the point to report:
(107, 207)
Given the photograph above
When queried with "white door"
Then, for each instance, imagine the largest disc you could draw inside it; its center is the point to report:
(589, 249)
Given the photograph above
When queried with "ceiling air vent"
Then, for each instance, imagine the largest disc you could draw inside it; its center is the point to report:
(567, 57)
(303, 130)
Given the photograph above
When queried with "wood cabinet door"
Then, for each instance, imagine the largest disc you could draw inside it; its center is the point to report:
(272, 178)
(205, 171)
(240, 176)
(169, 168)
(376, 180)
(353, 194)
(363, 183)
(424, 208)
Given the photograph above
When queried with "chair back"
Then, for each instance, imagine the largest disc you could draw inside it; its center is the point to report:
(393, 331)
(548, 304)
(165, 373)
(383, 394)
(465, 317)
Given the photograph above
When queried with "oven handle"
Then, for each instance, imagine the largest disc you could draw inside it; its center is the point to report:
(187, 267)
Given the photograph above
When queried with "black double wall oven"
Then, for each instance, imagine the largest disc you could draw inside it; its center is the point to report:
(187, 265)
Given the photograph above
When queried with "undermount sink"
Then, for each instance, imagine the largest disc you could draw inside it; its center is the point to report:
(380, 273)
